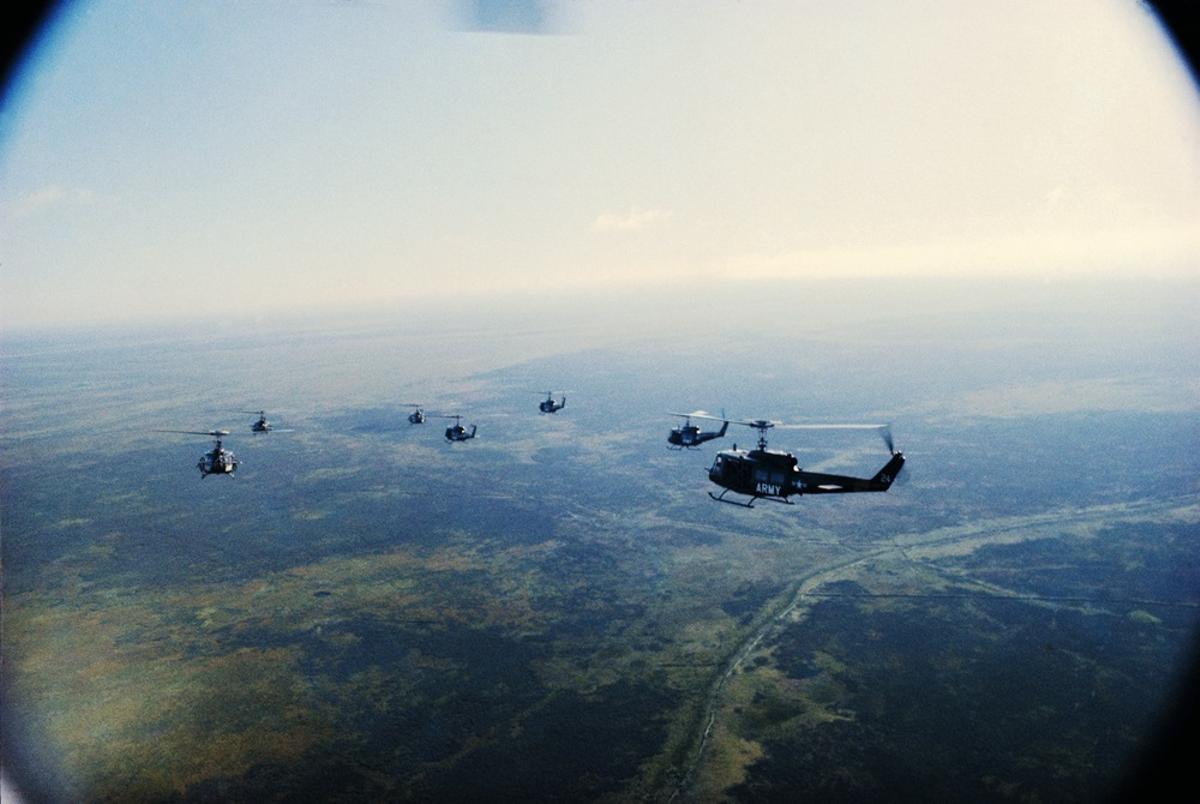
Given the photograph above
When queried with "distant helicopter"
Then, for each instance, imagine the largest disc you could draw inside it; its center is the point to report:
(456, 432)
(774, 475)
(417, 416)
(262, 425)
(548, 405)
(217, 461)
(689, 436)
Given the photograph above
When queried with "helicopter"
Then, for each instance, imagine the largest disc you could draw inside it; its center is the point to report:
(689, 436)
(417, 416)
(457, 432)
(548, 405)
(217, 461)
(262, 425)
(774, 475)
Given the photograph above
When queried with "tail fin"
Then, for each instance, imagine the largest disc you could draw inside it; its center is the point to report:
(724, 427)
(887, 475)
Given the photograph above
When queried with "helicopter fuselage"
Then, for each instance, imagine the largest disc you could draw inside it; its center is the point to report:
(688, 436)
(775, 475)
(550, 406)
(459, 433)
(217, 462)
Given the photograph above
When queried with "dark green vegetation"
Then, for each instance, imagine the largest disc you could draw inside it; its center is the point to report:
(1018, 680)
(557, 610)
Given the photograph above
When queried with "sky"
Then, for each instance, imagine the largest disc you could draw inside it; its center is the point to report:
(161, 160)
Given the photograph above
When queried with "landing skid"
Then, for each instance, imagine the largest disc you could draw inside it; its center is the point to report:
(749, 504)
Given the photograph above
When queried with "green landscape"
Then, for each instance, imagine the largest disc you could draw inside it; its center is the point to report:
(557, 610)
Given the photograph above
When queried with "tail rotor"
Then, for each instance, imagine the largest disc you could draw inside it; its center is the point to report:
(886, 432)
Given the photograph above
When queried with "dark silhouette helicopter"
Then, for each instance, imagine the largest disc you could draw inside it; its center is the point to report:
(774, 475)
(689, 436)
(456, 432)
(217, 461)
(548, 405)
(417, 416)
(262, 425)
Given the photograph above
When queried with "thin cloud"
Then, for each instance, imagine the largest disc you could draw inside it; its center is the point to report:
(1055, 196)
(35, 201)
(632, 221)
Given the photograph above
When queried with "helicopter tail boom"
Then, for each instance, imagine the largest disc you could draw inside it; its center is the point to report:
(818, 483)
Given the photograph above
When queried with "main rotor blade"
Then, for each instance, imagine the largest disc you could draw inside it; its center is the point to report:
(697, 414)
(213, 433)
(885, 430)
(783, 426)
(761, 424)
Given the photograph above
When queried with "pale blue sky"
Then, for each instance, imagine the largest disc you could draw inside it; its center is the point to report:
(158, 159)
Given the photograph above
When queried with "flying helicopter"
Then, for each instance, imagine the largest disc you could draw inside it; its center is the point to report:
(689, 436)
(548, 405)
(456, 432)
(418, 415)
(774, 475)
(217, 461)
(262, 425)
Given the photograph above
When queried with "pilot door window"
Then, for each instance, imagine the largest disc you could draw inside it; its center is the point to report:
(765, 476)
